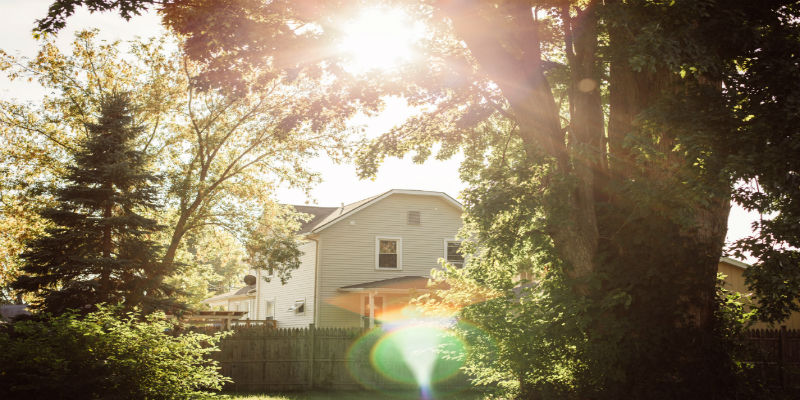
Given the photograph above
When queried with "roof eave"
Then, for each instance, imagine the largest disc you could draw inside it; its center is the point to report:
(231, 297)
(382, 290)
(735, 263)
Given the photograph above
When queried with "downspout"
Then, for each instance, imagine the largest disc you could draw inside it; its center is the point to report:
(258, 292)
(317, 271)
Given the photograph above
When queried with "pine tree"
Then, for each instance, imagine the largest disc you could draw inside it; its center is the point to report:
(98, 248)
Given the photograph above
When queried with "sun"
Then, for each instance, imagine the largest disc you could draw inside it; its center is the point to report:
(379, 38)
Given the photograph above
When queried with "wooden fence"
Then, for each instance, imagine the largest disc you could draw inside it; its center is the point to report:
(261, 359)
(775, 355)
(264, 359)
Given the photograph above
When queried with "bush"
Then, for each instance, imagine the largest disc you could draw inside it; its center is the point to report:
(103, 356)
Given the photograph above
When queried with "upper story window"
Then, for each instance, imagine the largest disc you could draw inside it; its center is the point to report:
(453, 254)
(413, 218)
(388, 253)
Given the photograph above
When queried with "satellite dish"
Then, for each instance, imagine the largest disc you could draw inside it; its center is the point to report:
(250, 280)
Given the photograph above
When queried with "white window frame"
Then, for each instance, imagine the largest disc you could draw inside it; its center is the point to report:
(450, 240)
(274, 308)
(399, 241)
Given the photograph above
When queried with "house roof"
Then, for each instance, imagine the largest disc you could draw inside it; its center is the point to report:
(402, 282)
(317, 215)
(339, 213)
(241, 292)
(735, 263)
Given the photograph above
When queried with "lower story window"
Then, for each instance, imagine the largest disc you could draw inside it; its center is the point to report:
(299, 307)
(269, 309)
(453, 253)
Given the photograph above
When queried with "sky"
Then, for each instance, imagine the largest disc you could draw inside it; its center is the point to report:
(339, 182)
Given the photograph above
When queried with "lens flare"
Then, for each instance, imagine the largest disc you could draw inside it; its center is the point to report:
(379, 38)
(421, 355)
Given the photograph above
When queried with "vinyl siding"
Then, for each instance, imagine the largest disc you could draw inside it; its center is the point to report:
(299, 287)
(348, 250)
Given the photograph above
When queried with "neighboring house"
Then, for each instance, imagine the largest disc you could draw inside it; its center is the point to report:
(361, 262)
(242, 299)
(734, 281)
(10, 311)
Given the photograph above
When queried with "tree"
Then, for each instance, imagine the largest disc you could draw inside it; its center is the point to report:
(607, 135)
(215, 264)
(271, 243)
(40, 138)
(97, 249)
(221, 156)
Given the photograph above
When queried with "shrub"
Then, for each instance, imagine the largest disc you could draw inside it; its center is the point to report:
(104, 356)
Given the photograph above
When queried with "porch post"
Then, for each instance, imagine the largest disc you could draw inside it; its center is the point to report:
(371, 309)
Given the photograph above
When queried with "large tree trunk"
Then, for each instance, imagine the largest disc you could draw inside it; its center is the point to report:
(657, 252)
(661, 242)
(521, 78)
(698, 220)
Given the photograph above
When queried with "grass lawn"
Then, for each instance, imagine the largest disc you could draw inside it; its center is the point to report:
(362, 395)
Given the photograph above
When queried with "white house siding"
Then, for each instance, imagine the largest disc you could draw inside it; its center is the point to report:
(299, 287)
(347, 248)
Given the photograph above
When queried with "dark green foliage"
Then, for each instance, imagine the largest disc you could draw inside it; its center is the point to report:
(98, 247)
(100, 356)
(60, 10)
(767, 159)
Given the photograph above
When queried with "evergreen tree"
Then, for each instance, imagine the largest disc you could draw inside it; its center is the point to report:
(98, 249)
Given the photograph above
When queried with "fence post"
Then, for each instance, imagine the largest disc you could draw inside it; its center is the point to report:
(311, 345)
(783, 348)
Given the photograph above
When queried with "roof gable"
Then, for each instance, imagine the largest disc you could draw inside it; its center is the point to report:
(353, 208)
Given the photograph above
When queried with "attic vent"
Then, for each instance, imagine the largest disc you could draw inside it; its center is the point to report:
(413, 218)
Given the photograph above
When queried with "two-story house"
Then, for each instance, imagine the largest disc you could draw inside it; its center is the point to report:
(361, 262)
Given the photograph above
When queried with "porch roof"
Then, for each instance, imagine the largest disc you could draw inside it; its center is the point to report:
(243, 292)
(401, 283)
(211, 314)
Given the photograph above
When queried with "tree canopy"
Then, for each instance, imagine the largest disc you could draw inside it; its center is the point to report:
(605, 141)
(221, 156)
